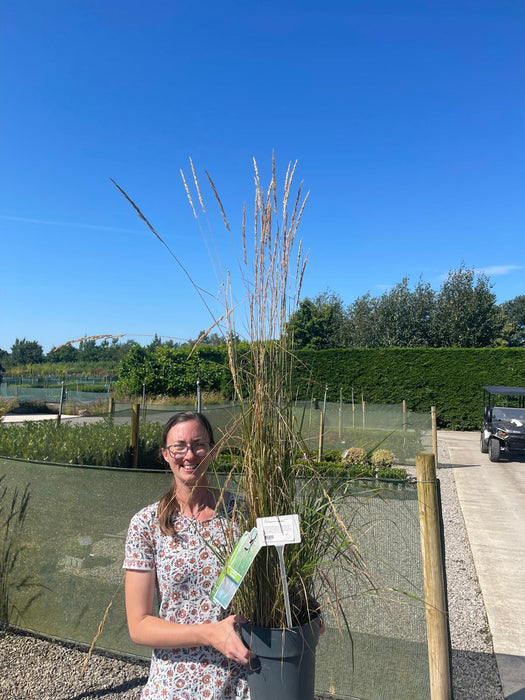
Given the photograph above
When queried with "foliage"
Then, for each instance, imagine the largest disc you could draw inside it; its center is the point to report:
(100, 443)
(462, 314)
(25, 352)
(466, 315)
(318, 323)
(174, 371)
(13, 510)
(354, 455)
(382, 458)
(513, 311)
(451, 379)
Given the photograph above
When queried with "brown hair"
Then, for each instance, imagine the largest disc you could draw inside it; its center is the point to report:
(168, 504)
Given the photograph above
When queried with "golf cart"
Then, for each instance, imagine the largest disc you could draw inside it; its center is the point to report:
(503, 430)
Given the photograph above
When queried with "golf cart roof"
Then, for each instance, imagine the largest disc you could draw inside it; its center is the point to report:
(505, 390)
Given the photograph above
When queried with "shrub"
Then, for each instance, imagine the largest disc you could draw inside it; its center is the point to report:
(355, 471)
(332, 456)
(354, 455)
(382, 458)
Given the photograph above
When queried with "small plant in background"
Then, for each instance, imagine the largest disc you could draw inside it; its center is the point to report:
(354, 455)
(100, 443)
(393, 473)
(382, 458)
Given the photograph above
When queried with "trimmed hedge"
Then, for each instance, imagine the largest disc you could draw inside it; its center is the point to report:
(449, 378)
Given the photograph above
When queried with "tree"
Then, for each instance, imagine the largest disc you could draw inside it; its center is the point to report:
(26, 352)
(362, 328)
(64, 353)
(402, 318)
(319, 323)
(513, 311)
(466, 314)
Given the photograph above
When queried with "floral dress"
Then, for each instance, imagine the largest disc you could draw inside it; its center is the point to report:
(187, 568)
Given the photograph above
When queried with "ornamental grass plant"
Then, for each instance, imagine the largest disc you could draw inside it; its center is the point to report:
(264, 432)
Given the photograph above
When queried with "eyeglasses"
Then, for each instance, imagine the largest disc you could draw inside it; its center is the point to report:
(179, 449)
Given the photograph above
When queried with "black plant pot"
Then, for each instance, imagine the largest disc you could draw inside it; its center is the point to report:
(284, 668)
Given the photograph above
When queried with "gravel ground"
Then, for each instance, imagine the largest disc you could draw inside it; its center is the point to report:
(35, 668)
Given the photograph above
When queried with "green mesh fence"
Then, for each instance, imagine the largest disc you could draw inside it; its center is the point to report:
(70, 551)
(405, 433)
(50, 395)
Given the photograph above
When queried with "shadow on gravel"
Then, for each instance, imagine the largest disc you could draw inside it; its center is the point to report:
(475, 675)
(114, 690)
(456, 466)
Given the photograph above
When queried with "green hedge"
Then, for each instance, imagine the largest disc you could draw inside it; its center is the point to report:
(449, 378)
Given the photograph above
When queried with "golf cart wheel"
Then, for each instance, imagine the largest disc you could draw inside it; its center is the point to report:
(484, 445)
(494, 450)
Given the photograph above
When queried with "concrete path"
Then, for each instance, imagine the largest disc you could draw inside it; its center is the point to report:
(492, 498)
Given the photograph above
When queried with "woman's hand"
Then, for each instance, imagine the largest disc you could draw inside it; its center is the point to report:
(225, 637)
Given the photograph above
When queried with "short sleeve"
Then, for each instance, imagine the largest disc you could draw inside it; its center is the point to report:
(140, 551)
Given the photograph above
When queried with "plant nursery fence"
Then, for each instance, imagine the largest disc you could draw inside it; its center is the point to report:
(69, 554)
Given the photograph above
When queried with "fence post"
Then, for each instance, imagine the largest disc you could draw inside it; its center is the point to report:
(199, 394)
(321, 436)
(61, 405)
(111, 408)
(433, 578)
(134, 443)
(434, 433)
(340, 412)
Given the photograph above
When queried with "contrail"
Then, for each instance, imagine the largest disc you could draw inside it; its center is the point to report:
(45, 222)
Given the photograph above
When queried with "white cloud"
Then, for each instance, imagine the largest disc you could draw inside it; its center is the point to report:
(497, 269)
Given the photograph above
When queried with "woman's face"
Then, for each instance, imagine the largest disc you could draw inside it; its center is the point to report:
(189, 466)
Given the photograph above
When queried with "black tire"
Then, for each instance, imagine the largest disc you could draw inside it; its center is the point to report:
(484, 444)
(494, 450)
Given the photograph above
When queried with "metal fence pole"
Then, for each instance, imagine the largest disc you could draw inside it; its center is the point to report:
(61, 405)
(134, 442)
(434, 433)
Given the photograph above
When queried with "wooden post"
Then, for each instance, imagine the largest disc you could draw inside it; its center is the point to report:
(433, 578)
(134, 443)
(404, 415)
(111, 408)
(434, 433)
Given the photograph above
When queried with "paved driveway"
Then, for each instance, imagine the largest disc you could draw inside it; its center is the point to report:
(492, 498)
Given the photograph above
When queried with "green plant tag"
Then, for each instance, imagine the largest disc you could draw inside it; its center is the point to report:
(236, 567)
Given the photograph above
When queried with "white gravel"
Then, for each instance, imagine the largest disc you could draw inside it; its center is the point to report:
(33, 668)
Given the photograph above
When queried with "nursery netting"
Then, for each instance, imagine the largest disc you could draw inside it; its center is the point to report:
(330, 427)
(69, 568)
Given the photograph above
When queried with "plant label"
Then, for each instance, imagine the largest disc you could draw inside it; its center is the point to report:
(278, 530)
(236, 567)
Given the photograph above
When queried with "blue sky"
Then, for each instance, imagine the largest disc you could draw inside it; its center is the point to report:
(406, 118)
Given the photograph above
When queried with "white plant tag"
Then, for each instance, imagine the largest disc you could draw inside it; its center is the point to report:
(278, 530)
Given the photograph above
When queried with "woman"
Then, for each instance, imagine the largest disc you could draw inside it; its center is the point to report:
(171, 545)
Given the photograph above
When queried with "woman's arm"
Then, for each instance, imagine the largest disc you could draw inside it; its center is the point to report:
(151, 631)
